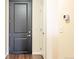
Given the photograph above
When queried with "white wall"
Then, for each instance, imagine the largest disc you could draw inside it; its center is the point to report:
(52, 26)
(2, 29)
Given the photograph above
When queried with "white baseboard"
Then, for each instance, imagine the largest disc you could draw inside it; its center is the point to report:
(39, 53)
(6, 54)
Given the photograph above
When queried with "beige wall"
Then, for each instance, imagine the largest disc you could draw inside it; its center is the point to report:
(64, 44)
(66, 32)
(60, 34)
(37, 26)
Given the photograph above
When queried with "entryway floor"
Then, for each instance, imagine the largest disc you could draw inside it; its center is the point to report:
(24, 56)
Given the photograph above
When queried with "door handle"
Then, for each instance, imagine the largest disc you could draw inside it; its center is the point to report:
(29, 31)
(28, 35)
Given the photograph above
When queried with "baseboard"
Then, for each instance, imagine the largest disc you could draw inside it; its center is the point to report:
(6, 54)
(39, 53)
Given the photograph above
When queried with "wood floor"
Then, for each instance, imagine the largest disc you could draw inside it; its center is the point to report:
(23, 56)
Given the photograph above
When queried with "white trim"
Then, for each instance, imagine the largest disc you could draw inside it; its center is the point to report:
(44, 29)
(6, 54)
(37, 53)
(6, 28)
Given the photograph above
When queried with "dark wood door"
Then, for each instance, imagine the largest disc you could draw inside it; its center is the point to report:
(20, 27)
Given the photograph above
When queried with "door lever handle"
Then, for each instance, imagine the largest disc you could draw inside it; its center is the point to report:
(29, 35)
(29, 31)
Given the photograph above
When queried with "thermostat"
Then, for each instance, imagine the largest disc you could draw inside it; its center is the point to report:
(66, 17)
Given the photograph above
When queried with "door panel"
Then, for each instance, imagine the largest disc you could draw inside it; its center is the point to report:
(20, 0)
(20, 28)
(20, 44)
(21, 13)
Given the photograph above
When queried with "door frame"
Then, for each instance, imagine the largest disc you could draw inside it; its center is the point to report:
(7, 27)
